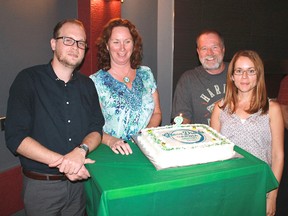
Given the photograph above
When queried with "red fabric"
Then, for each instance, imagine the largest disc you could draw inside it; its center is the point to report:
(94, 15)
(283, 91)
(10, 190)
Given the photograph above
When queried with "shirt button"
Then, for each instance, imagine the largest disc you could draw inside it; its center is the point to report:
(67, 102)
(69, 139)
(69, 121)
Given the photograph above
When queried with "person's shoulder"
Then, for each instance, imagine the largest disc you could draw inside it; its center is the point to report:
(218, 106)
(83, 78)
(98, 75)
(35, 68)
(226, 64)
(274, 106)
(196, 70)
(192, 73)
(144, 69)
(273, 103)
(219, 103)
(30, 75)
(33, 71)
(275, 114)
(285, 79)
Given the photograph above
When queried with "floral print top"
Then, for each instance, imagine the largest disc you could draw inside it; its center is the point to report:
(126, 111)
(252, 134)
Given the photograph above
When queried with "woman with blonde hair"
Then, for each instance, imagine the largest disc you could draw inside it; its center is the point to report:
(248, 118)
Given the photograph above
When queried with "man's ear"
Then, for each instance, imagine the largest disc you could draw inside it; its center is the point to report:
(53, 44)
(198, 51)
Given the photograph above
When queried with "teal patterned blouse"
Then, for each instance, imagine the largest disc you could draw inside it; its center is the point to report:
(126, 111)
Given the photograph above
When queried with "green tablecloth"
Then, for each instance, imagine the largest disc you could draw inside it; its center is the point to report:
(130, 185)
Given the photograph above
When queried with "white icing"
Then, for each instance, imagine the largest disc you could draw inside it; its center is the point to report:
(181, 145)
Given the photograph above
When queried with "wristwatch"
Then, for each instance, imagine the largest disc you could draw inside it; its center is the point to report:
(85, 148)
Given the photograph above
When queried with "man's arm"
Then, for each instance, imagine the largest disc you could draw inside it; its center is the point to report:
(93, 139)
(283, 99)
(284, 109)
(72, 164)
(33, 150)
(181, 101)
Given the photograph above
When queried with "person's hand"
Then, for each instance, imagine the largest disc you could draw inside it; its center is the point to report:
(271, 205)
(72, 162)
(81, 175)
(120, 146)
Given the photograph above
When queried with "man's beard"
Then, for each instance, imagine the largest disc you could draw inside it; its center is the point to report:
(215, 66)
(66, 62)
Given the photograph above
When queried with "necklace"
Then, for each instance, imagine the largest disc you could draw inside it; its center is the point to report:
(126, 79)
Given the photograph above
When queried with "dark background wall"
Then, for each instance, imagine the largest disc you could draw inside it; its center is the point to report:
(260, 25)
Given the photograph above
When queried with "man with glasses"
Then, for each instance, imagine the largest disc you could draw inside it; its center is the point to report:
(197, 90)
(53, 121)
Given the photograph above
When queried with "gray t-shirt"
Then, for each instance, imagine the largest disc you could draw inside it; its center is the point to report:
(196, 93)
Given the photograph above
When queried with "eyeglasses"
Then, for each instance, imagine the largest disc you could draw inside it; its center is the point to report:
(68, 41)
(250, 72)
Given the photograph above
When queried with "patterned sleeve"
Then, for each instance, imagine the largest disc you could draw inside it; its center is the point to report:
(148, 76)
(97, 79)
(283, 91)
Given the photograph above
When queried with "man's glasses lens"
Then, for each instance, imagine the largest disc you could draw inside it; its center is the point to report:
(68, 41)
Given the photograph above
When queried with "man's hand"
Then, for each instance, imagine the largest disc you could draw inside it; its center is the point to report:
(81, 175)
(72, 162)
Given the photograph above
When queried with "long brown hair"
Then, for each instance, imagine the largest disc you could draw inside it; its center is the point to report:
(103, 54)
(259, 97)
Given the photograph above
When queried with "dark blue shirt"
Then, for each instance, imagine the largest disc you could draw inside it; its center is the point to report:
(56, 114)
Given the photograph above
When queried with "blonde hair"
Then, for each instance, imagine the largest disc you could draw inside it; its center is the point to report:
(259, 99)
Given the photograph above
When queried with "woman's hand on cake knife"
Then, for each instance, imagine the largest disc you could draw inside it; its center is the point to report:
(119, 146)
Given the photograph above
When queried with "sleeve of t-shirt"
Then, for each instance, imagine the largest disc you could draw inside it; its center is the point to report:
(283, 91)
(182, 100)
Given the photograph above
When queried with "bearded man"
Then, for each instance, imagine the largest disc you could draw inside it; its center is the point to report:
(199, 89)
